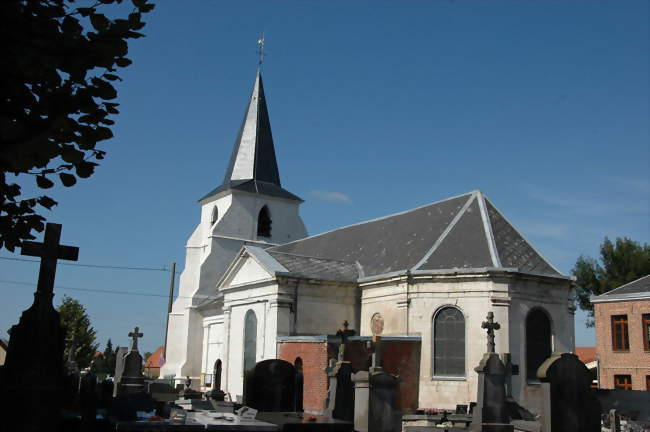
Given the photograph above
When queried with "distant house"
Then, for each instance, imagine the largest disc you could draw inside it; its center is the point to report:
(154, 362)
(587, 355)
(4, 346)
(622, 318)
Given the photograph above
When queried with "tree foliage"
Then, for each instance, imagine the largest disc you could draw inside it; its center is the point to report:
(58, 64)
(620, 262)
(77, 324)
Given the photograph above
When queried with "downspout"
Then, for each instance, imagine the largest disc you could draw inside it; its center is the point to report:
(357, 300)
(295, 309)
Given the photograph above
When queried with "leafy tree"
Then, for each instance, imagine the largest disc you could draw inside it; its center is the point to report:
(620, 262)
(75, 319)
(58, 63)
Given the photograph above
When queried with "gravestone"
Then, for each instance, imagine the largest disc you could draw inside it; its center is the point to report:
(375, 391)
(119, 368)
(34, 363)
(491, 410)
(340, 400)
(88, 398)
(568, 398)
(132, 380)
(71, 380)
(270, 386)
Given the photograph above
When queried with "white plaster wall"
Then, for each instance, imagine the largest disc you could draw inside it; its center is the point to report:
(250, 271)
(322, 307)
(213, 332)
(508, 297)
(553, 298)
(209, 251)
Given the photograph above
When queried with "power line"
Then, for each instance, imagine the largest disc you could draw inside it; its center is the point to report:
(92, 265)
(63, 287)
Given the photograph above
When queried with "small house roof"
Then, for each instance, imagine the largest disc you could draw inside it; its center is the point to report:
(637, 289)
(156, 359)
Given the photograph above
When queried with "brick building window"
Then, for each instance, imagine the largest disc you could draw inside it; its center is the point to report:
(620, 337)
(449, 343)
(623, 382)
(538, 341)
(646, 331)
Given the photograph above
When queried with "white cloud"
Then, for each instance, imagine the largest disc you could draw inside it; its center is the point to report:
(543, 229)
(637, 184)
(332, 196)
(587, 206)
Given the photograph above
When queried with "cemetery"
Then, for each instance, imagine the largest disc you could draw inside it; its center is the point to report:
(437, 318)
(367, 390)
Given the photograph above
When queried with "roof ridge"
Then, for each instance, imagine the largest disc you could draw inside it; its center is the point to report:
(446, 232)
(522, 236)
(374, 220)
(487, 228)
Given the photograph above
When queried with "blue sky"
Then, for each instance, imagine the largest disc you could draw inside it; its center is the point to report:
(376, 107)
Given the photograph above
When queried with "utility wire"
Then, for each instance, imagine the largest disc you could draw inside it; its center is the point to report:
(92, 265)
(63, 287)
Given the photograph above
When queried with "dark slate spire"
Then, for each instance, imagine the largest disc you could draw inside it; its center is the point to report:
(253, 167)
(253, 157)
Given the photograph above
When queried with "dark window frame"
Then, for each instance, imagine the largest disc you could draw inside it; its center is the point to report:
(537, 349)
(645, 322)
(623, 382)
(620, 333)
(445, 332)
(264, 222)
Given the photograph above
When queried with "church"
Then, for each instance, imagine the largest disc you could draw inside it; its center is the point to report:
(256, 286)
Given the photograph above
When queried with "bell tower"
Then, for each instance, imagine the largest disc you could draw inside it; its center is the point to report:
(249, 207)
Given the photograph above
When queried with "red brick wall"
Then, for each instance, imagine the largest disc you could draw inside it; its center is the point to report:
(636, 361)
(314, 361)
(400, 358)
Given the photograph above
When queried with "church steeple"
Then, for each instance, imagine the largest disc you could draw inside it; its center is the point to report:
(253, 166)
(253, 157)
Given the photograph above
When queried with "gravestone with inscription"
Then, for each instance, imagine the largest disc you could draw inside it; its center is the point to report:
(34, 362)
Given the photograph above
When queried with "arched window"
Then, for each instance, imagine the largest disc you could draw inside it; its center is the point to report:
(264, 223)
(250, 340)
(216, 375)
(215, 215)
(449, 343)
(538, 341)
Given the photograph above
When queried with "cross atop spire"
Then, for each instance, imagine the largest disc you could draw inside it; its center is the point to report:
(260, 50)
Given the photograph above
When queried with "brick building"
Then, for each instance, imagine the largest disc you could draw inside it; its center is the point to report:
(623, 336)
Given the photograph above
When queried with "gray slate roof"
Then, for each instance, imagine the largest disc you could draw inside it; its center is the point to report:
(637, 288)
(316, 267)
(253, 166)
(464, 232)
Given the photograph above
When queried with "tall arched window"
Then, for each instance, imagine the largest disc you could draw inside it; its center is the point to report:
(215, 215)
(449, 343)
(250, 340)
(216, 375)
(299, 384)
(538, 341)
(264, 223)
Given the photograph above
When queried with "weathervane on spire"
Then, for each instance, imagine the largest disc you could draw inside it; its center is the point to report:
(260, 49)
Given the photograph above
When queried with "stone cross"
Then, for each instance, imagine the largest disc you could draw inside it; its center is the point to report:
(135, 335)
(344, 333)
(491, 326)
(49, 251)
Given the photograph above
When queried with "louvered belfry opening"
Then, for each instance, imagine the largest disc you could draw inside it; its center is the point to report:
(449, 343)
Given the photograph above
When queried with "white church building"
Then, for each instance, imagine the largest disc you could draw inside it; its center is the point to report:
(253, 277)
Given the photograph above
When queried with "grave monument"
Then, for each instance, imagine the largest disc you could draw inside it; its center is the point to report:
(34, 363)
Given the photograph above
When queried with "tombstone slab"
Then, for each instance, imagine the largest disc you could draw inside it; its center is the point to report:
(270, 386)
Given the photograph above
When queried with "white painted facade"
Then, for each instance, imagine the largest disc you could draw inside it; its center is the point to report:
(211, 248)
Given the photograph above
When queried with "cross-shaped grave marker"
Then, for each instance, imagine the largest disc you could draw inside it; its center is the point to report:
(491, 326)
(135, 335)
(49, 251)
